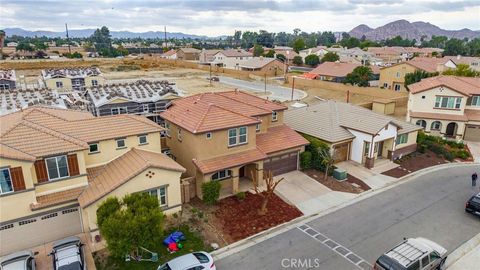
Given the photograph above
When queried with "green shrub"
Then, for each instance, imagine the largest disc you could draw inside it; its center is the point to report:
(449, 155)
(211, 192)
(240, 195)
(422, 148)
(463, 154)
(200, 215)
(306, 160)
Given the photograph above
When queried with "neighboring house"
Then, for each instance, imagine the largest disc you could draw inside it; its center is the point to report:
(232, 59)
(171, 54)
(393, 77)
(12, 101)
(12, 44)
(8, 79)
(229, 137)
(57, 166)
(269, 66)
(68, 79)
(425, 52)
(391, 55)
(142, 97)
(207, 56)
(334, 71)
(446, 106)
(473, 62)
(354, 133)
(188, 54)
(319, 51)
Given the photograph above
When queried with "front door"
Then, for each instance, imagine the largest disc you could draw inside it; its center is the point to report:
(241, 172)
(379, 149)
(451, 129)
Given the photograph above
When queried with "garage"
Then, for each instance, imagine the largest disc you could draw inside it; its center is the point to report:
(34, 231)
(472, 133)
(340, 152)
(280, 164)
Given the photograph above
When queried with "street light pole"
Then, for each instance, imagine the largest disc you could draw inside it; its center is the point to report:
(293, 86)
(210, 74)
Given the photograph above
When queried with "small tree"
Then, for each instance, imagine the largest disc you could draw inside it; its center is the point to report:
(281, 57)
(330, 57)
(327, 160)
(270, 185)
(360, 76)
(297, 60)
(257, 50)
(312, 60)
(211, 192)
(299, 45)
(416, 76)
(270, 54)
(463, 70)
(134, 222)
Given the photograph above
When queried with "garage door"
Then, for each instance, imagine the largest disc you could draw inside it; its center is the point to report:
(38, 230)
(472, 133)
(340, 152)
(281, 163)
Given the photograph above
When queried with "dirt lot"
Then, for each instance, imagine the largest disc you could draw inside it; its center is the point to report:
(351, 185)
(414, 162)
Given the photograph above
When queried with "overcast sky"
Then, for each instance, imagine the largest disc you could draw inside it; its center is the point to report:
(215, 18)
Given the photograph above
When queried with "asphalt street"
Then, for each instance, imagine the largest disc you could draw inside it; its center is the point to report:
(430, 206)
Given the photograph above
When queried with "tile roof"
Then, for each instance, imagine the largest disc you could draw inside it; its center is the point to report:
(334, 69)
(39, 131)
(463, 85)
(429, 64)
(229, 161)
(330, 120)
(122, 169)
(56, 198)
(258, 62)
(473, 115)
(440, 116)
(468, 60)
(279, 138)
(189, 50)
(169, 53)
(12, 153)
(215, 111)
(236, 53)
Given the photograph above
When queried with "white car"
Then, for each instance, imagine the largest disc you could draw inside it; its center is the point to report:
(193, 261)
(68, 254)
(22, 260)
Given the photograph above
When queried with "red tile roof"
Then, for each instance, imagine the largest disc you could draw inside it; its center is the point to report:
(229, 161)
(463, 85)
(214, 111)
(56, 198)
(429, 64)
(334, 69)
(279, 138)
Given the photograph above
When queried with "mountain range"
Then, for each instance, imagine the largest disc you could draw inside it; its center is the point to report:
(406, 29)
(83, 33)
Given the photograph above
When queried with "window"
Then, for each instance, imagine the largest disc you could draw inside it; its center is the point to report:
(4, 86)
(142, 139)
(232, 136)
(274, 116)
(257, 127)
(145, 107)
(6, 185)
(220, 175)
(385, 85)
(425, 261)
(421, 123)
(167, 129)
(93, 148)
(434, 256)
(57, 167)
(402, 138)
(209, 135)
(475, 101)
(243, 135)
(179, 134)
(398, 74)
(448, 102)
(94, 83)
(436, 125)
(237, 136)
(119, 110)
(366, 149)
(120, 143)
(397, 87)
(161, 194)
(59, 84)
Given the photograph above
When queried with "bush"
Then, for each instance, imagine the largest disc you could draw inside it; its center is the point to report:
(449, 155)
(211, 192)
(422, 148)
(463, 154)
(240, 195)
(306, 160)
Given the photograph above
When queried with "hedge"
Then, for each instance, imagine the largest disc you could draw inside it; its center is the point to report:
(211, 192)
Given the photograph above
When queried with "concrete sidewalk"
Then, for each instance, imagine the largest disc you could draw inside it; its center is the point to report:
(466, 257)
(372, 177)
(475, 150)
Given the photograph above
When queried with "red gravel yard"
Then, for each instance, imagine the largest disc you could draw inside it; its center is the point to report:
(414, 162)
(238, 219)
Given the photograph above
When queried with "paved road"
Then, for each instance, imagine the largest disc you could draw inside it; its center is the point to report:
(277, 92)
(431, 206)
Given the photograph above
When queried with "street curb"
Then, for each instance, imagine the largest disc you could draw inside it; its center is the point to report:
(281, 228)
(462, 250)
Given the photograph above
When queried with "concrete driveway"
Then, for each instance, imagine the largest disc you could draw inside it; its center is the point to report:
(308, 195)
(475, 150)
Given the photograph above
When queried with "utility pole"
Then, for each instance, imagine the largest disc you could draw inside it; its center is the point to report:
(265, 82)
(293, 86)
(68, 39)
(165, 32)
(348, 96)
(210, 74)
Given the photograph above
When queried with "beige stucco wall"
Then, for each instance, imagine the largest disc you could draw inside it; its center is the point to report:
(412, 139)
(389, 75)
(17, 205)
(417, 103)
(137, 184)
(27, 169)
(108, 149)
(67, 82)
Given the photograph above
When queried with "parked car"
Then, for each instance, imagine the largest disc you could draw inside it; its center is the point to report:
(413, 253)
(68, 254)
(192, 261)
(473, 205)
(214, 79)
(22, 260)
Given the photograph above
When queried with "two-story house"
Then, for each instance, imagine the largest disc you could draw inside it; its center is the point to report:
(231, 59)
(141, 97)
(188, 54)
(57, 166)
(446, 106)
(68, 79)
(8, 79)
(229, 137)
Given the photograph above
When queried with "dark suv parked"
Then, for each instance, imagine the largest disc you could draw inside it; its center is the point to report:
(473, 205)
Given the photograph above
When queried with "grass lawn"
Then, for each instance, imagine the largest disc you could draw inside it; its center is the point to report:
(193, 243)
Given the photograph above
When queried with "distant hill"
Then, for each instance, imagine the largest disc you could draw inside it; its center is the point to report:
(414, 30)
(82, 33)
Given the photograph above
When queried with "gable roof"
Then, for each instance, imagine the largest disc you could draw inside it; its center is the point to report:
(330, 121)
(258, 62)
(429, 64)
(215, 111)
(229, 161)
(463, 85)
(169, 53)
(189, 50)
(40, 131)
(334, 69)
(235, 53)
(279, 138)
(121, 170)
